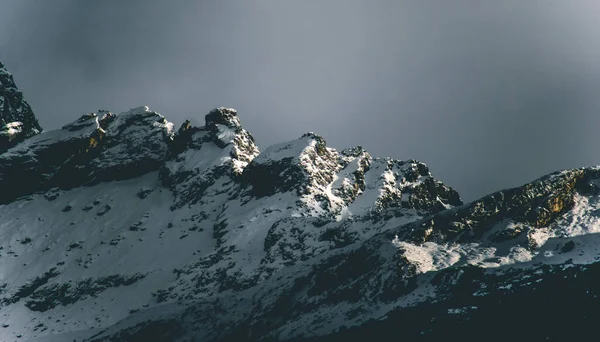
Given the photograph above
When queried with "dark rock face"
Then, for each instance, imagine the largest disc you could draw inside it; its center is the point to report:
(17, 121)
(222, 116)
(83, 153)
(315, 165)
(135, 143)
(226, 130)
(156, 331)
(536, 204)
(200, 156)
(48, 160)
(530, 309)
(48, 297)
(30, 287)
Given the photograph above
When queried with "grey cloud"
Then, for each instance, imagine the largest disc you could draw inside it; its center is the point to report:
(490, 94)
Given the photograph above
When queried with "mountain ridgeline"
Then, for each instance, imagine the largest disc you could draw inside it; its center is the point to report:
(122, 227)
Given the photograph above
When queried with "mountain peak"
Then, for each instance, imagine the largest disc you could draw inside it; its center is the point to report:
(201, 155)
(222, 116)
(17, 121)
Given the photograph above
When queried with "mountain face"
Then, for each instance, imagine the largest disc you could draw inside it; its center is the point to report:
(119, 227)
(17, 121)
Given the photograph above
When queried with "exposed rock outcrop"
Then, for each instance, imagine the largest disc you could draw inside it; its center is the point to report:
(83, 153)
(17, 121)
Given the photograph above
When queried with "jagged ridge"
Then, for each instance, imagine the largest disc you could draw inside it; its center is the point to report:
(121, 223)
(323, 200)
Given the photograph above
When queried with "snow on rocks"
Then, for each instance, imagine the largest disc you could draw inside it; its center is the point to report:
(11, 131)
(135, 143)
(201, 155)
(291, 207)
(130, 144)
(314, 236)
(334, 184)
(305, 167)
(17, 121)
(45, 160)
(543, 221)
(381, 274)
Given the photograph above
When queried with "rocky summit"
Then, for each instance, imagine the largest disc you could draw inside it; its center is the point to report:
(17, 121)
(122, 227)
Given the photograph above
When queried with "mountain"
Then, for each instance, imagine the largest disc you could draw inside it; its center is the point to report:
(120, 227)
(17, 121)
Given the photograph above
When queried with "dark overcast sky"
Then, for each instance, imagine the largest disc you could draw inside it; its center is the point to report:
(490, 94)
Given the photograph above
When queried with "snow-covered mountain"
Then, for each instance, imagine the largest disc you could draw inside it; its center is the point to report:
(119, 227)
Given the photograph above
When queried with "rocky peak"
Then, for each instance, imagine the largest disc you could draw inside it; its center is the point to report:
(106, 118)
(333, 183)
(201, 155)
(48, 159)
(222, 128)
(182, 139)
(86, 151)
(17, 121)
(135, 142)
(353, 151)
(223, 116)
(226, 130)
(185, 126)
(300, 165)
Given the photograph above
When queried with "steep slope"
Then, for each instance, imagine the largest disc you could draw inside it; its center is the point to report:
(113, 214)
(283, 209)
(17, 121)
(117, 227)
(536, 240)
